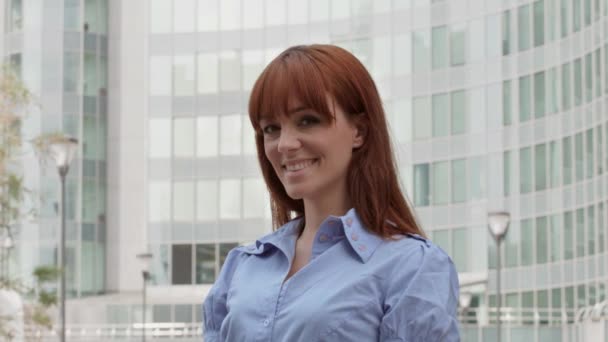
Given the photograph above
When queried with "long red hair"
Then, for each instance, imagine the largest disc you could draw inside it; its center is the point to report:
(310, 73)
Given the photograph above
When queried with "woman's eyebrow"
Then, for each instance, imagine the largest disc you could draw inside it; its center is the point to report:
(297, 109)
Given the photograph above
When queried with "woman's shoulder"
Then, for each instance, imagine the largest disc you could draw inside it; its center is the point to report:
(417, 251)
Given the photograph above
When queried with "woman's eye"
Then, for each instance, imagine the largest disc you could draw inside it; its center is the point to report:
(270, 129)
(309, 120)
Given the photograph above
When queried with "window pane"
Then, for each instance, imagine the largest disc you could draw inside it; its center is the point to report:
(183, 137)
(183, 313)
(207, 200)
(71, 63)
(183, 75)
(523, 24)
(205, 263)
(601, 235)
(230, 69)
(230, 134)
(539, 22)
(225, 248)
(440, 183)
(539, 94)
(442, 239)
(524, 99)
(460, 241)
(506, 33)
(552, 93)
(421, 185)
(181, 261)
(477, 178)
(567, 160)
(255, 14)
(566, 90)
(459, 112)
(402, 52)
(160, 138)
(230, 198)
(512, 245)
(422, 50)
(441, 124)
(276, 13)
(458, 44)
(230, 14)
(183, 15)
(580, 232)
(459, 181)
(540, 167)
(208, 14)
(183, 201)
(525, 170)
(206, 136)
(576, 15)
(589, 157)
(476, 40)
(564, 18)
(578, 82)
(440, 47)
(493, 36)
(160, 16)
(208, 66)
(507, 173)
(402, 120)
(506, 103)
(579, 156)
(554, 164)
(422, 117)
(527, 242)
(253, 198)
(253, 64)
(591, 230)
(297, 12)
(568, 235)
(588, 77)
(160, 75)
(541, 240)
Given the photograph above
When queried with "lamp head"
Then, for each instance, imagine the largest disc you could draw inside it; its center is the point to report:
(498, 224)
(63, 151)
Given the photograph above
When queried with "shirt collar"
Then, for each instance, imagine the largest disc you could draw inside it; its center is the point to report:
(363, 242)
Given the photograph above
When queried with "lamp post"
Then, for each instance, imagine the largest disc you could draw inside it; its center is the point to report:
(498, 224)
(63, 152)
(7, 246)
(464, 300)
(145, 274)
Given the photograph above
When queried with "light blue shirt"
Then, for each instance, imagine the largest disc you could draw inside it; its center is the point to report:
(356, 287)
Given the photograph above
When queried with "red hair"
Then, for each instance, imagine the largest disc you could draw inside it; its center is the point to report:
(310, 73)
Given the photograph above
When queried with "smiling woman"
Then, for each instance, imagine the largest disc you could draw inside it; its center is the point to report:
(347, 260)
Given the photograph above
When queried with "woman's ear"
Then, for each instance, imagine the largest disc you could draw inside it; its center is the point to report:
(360, 134)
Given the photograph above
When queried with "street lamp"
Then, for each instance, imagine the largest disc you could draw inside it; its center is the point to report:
(464, 300)
(498, 224)
(145, 274)
(63, 152)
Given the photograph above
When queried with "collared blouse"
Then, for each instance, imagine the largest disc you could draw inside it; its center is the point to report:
(356, 287)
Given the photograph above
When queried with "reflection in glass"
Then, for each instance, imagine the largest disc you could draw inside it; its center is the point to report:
(205, 263)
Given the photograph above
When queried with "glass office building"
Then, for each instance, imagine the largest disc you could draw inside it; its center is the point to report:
(492, 105)
(60, 51)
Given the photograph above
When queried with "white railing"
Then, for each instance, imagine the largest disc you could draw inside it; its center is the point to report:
(517, 316)
(102, 332)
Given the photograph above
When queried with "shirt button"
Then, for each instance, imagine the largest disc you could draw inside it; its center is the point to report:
(323, 237)
(354, 236)
(266, 322)
(362, 248)
(349, 221)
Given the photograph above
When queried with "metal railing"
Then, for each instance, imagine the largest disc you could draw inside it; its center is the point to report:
(102, 332)
(517, 316)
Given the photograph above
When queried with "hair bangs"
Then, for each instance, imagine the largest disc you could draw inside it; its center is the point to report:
(292, 78)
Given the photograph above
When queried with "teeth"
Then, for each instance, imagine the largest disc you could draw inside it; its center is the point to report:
(299, 166)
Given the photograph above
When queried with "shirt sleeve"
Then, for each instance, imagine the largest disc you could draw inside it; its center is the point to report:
(214, 306)
(422, 299)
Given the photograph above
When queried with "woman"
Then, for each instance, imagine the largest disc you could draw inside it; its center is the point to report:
(353, 265)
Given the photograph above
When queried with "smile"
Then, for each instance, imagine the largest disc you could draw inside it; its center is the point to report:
(298, 165)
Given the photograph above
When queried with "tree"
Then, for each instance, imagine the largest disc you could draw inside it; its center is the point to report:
(15, 103)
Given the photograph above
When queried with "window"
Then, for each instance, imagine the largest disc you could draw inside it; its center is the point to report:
(460, 243)
(459, 112)
(276, 13)
(160, 138)
(207, 200)
(554, 164)
(319, 10)
(71, 15)
(525, 170)
(578, 82)
(160, 16)
(183, 201)
(600, 232)
(253, 198)
(506, 103)
(230, 198)
(459, 181)
(255, 14)
(477, 178)
(539, 94)
(441, 115)
(476, 40)
(205, 263)
(564, 17)
(540, 167)
(206, 136)
(230, 14)
(541, 240)
(458, 44)
(225, 248)
(589, 156)
(512, 240)
(567, 160)
(183, 15)
(579, 157)
(552, 93)
(422, 117)
(441, 186)
(566, 92)
(588, 77)
(527, 242)
(506, 170)
(442, 239)
(253, 64)
(440, 47)
(402, 119)
(340, 9)
(230, 134)
(230, 70)
(421, 185)
(576, 15)
(493, 36)
(208, 15)
(208, 66)
(523, 25)
(539, 22)
(524, 98)
(71, 63)
(159, 201)
(183, 75)
(181, 261)
(402, 52)
(568, 235)
(591, 230)
(183, 137)
(160, 75)
(506, 33)
(297, 12)
(422, 47)
(580, 232)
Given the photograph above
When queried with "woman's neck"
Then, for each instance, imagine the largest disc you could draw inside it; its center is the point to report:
(316, 211)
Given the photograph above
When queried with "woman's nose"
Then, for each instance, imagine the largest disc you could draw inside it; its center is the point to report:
(288, 140)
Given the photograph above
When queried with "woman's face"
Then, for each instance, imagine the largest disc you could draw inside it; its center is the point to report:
(310, 153)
